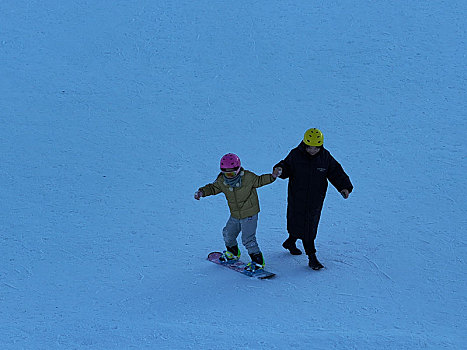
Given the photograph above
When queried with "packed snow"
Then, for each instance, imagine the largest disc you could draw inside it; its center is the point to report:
(114, 113)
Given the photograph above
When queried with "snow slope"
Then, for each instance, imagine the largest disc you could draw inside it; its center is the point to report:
(113, 113)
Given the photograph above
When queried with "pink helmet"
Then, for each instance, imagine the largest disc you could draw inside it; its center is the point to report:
(230, 161)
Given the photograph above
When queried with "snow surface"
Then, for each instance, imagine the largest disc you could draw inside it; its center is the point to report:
(114, 112)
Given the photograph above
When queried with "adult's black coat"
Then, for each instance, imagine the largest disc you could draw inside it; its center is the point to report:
(308, 182)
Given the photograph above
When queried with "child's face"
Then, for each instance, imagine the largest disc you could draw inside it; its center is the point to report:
(312, 150)
(230, 173)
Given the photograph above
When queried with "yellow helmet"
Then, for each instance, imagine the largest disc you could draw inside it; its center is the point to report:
(313, 137)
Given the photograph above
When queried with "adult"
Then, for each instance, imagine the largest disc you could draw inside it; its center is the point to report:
(308, 167)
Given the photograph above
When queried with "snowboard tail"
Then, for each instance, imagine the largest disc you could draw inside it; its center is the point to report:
(239, 266)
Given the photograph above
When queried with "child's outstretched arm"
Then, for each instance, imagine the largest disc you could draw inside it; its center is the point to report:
(263, 180)
(208, 190)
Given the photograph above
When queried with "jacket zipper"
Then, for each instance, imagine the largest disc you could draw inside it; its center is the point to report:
(236, 202)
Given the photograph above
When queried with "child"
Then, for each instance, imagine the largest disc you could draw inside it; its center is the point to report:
(239, 187)
(309, 167)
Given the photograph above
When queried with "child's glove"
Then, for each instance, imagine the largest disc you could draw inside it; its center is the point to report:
(198, 195)
(276, 172)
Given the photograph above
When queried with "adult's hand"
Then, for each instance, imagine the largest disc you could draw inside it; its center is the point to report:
(276, 172)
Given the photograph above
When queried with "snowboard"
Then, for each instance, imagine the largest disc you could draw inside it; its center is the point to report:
(239, 266)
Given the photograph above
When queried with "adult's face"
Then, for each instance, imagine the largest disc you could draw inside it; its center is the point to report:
(312, 150)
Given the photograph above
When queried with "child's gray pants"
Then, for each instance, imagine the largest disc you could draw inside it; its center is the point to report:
(248, 228)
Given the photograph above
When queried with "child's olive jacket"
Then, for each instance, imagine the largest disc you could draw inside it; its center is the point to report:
(243, 201)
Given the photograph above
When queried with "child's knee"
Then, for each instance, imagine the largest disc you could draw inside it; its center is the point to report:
(250, 243)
